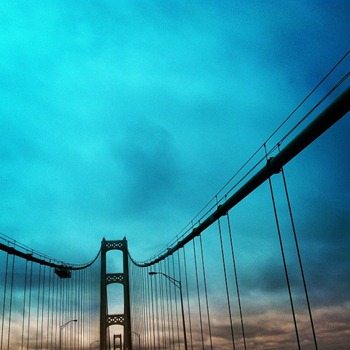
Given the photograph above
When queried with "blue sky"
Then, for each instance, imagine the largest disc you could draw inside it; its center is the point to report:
(123, 118)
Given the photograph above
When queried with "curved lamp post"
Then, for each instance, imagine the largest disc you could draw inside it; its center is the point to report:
(94, 342)
(177, 284)
(61, 328)
(138, 335)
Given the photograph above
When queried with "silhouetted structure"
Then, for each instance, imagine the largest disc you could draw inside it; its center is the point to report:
(107, 320)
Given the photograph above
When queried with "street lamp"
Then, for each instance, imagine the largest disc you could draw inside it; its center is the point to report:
(61, 328)
(177, 284)
(138, 337)
(96, 341)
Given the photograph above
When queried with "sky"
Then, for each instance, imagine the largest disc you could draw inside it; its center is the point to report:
(124, 118)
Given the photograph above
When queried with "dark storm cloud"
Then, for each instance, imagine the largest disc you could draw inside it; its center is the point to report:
(150, 168)
(144, 109)
(124, 118)
(324, 245)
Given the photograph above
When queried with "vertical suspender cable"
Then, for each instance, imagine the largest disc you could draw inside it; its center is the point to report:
(226, 284)
(165, 316)
(86, 311)
(38, 310)
(171, 305)
(58, 308)
(136, 323)
(55, 305)
(148, 309)
(162, 309)
(206, 290)
(75, 285)
(157, 309)
(188, 299)
(176, 304)
(24, 302)
(83, 296)
(78, 284)
(170, 335)
(11, 296)
(4, 301)
(137, 289)
(90, 308)
(42, 309)
(182, 296)
(82, 312)
(141, 321)
(80, 320)
(49, 313)
(133, 298)
(142, 307)
(83, 316)
(153, 322)
(52, 304)
(198, 294)
(60, 320)
(86, 306)
(284, 259)
(65, 315)
(299, 258)
(72, 312)
(81, 323)
(54, 313)
(30, 301)
(90, 339)
(236, 279)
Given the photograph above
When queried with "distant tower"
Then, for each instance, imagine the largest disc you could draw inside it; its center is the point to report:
(122, 278)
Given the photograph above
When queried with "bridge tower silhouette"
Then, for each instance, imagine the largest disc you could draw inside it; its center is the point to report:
(107, 319)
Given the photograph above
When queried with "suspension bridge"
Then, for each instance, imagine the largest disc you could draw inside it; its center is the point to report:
(192, 294)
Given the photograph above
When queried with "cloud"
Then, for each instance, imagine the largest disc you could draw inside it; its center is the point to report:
(125, 118)
(149, 165)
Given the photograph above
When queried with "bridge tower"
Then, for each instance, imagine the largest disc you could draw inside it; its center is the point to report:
(107, 320)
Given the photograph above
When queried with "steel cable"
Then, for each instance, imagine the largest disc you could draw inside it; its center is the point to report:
(4, 301)
(11, 302)
(299, 258)
(226, 285)
(236, 279)
(206, 291)
(24, 302)
(176, 302)
(284, 261)
(188, 298)
(198, 293)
